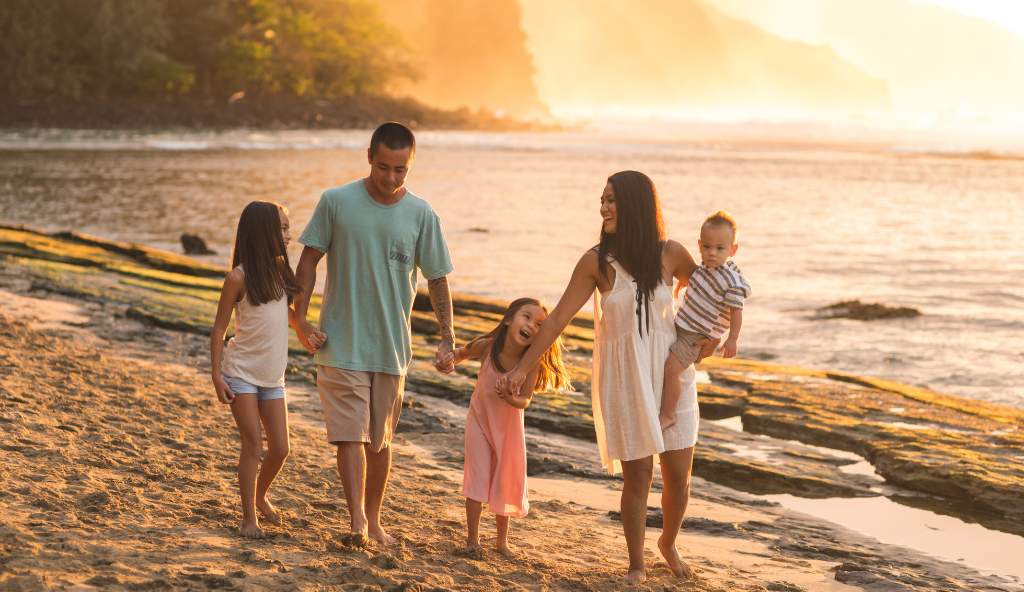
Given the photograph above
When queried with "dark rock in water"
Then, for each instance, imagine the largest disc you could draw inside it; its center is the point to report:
(193, 244)
(865, 311)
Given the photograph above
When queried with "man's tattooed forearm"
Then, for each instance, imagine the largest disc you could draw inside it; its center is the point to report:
(441, 301)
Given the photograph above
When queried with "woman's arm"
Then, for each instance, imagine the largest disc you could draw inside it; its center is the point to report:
(679, 262)
(230, 293)
(581, 285)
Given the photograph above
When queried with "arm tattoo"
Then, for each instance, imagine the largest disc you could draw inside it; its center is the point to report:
(441, 301)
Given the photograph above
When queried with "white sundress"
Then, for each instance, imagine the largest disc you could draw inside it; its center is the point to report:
(628, 372)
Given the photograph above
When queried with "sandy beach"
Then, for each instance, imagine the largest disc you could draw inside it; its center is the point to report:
(119, 464)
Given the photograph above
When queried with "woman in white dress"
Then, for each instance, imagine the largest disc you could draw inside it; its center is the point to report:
(630, 274)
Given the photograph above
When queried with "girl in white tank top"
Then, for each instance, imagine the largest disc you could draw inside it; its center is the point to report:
(248, 374)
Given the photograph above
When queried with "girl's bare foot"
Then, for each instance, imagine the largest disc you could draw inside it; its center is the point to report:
(635, 577)
(269, 512)
(666, 421)
(251, 529)
(668, 551)
(505, 549)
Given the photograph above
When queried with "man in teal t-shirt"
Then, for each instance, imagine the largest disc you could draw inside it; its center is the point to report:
(376, 235)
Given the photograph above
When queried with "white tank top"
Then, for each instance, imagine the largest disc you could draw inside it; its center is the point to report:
(258, 353)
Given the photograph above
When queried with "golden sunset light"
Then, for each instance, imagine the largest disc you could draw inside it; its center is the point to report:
(525, 295)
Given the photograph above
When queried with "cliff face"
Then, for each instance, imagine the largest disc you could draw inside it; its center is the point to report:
(468, 54)
(683, 55)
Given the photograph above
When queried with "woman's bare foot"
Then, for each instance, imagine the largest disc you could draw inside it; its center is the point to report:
(635, 577)
(251, 529)
(666, 420)
(668, 551)
(382, 537)
(269, 512)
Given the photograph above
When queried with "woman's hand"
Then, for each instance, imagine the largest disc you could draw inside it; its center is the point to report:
(224, 394)
(509, 384)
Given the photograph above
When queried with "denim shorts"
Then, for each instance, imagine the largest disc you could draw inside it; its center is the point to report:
(263, 393)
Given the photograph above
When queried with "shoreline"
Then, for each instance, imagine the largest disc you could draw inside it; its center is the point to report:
(780, 411)
(144, 500)
(269, 113)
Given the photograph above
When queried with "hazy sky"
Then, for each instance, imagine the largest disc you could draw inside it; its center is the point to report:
(947, 63)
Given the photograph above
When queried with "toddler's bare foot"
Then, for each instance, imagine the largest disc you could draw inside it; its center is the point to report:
(251, 529)
(668, 551)
(666, 420)
(269, 512)
(381, 537)
(635, 577)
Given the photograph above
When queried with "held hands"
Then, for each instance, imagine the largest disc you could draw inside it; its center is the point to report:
(444, 360)
(310, 336)
(224, 394)
(729, 348)
(509, 384)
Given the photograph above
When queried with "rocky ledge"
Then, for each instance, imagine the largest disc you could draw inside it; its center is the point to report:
(952, 455)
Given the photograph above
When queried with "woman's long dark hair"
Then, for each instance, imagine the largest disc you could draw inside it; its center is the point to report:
(259, 249)
(637, 241)
(552, 373)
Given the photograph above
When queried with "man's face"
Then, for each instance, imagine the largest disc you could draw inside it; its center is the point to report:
(388, 169)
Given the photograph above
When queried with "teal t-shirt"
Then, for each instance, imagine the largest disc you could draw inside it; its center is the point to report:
(373, 252)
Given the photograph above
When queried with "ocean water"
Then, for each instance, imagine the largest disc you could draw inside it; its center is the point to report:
(818, 224)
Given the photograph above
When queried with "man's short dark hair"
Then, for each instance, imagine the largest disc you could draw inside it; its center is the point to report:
(393, 135)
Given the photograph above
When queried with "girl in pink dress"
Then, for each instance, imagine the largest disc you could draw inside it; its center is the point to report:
(495, 456)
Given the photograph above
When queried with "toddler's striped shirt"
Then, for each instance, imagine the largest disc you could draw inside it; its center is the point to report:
(709, 296)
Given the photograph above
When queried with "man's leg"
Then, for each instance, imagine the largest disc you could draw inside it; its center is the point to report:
(378, 470)
(352, 470)
(385, 409)
(345, 400)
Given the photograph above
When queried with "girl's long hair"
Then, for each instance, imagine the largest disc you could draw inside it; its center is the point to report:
(259, 249)
(552, 374)
(638, 238)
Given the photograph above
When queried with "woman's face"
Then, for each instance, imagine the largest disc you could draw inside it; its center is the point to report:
(608, 211)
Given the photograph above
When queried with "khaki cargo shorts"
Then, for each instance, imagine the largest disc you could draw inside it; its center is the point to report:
(687, 346)
(360, 406)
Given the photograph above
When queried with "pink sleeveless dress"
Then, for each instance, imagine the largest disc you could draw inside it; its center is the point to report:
(495, 455)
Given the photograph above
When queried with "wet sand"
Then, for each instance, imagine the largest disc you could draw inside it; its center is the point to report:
(120, 474)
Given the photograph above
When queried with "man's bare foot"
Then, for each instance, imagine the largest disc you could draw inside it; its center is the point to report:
(382, 537)
(668, 551)
(666, 421)
(251, 529)
(269, 512)
(472, 550)
(355, 540)
(635, 577)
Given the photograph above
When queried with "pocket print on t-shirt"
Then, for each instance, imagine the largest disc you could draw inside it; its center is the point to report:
(400, 256)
